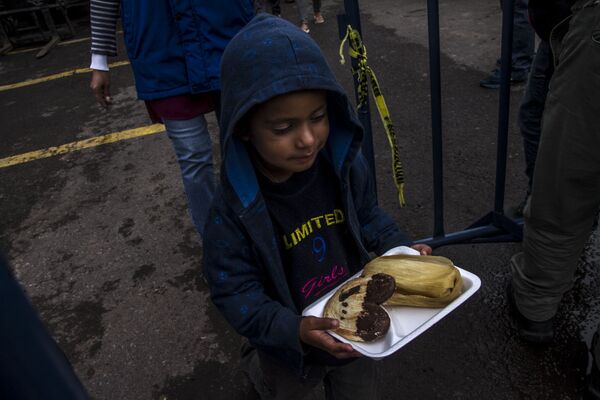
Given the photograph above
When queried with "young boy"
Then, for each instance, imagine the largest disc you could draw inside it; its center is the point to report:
(295, 215)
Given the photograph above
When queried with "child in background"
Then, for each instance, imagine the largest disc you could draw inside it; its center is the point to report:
(295, 214)
(301, 7)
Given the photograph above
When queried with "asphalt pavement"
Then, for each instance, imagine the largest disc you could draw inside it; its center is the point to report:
(101, 240)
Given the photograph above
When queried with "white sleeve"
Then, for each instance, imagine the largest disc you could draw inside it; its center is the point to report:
(99, 62)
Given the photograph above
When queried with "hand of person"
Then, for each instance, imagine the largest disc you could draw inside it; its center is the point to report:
(423, 249)
(313, 331)
(100, 85)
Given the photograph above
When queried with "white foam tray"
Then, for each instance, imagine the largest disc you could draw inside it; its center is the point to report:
(406, 322)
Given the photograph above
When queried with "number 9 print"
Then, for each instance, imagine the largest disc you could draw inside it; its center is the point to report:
(319, 248)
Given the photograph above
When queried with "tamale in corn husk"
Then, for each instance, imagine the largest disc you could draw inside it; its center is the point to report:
(421, 281)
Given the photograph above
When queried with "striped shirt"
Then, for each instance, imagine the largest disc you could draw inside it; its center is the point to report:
(103, 17)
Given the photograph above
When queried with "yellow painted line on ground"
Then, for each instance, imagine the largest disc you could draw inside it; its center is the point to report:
(52, 77)
(80, 145)
(14, 52)
(66, 42)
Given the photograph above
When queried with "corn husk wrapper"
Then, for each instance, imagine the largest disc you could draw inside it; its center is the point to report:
(421, 281)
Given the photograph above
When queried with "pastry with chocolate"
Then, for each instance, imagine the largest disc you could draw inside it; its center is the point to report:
(356, 304)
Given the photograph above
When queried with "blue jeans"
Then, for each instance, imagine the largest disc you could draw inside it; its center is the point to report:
(532, 106)
(193, 148)
(303, 10)
(523, 42)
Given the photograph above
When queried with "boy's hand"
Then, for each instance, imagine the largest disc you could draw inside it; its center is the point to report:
(423, 249)
(313, 331)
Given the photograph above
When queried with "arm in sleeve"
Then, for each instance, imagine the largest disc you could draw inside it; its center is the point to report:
(378, 230)
(237, 286)
(103, 20)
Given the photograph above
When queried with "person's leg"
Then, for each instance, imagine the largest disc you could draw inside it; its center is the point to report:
(303, 13)
(566, 186)
(523, 46)
(593, 384)
(276, 7)
(273, 381)
(259, 6)
(523, 43)
(355, 381)
(317, 12)
(532, 106)
(193, 147)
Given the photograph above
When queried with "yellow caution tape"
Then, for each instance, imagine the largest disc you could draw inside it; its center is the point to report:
(364, 74)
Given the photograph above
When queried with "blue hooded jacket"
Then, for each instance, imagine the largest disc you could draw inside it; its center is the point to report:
(175, 46)
(242, 263)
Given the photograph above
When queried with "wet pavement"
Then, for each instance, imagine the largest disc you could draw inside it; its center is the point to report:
(102, 243)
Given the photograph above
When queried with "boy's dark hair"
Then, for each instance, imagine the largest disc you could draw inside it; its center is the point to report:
(243, 125)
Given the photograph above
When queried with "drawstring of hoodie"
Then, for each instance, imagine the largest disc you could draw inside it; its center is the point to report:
(364, 74)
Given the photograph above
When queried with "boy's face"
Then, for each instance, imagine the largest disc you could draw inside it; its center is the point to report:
(288, 131)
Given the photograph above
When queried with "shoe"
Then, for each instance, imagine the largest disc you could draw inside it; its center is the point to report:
(304, 27)
(591, 390)
(319, 18)
(516, 211)
(534, 332)
(592, 387)
(493, 80)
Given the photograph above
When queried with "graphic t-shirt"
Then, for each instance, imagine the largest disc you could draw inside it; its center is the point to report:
(317, 248)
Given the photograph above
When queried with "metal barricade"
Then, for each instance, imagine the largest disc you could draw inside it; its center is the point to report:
(494, 226)
(24, 22)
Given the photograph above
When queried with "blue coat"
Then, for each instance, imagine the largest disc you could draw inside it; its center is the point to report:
(242, 263)
(175, 46)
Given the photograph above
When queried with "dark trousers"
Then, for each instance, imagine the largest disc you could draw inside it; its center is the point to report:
(532, 106)
(317, 6)
(523, 43)
(565, 198)
(275, 7)
(260, 6)
(273, 381)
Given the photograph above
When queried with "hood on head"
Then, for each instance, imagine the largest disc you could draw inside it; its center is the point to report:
(267, 58)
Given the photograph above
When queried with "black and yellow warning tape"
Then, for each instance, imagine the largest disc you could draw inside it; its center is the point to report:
(365, 75)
